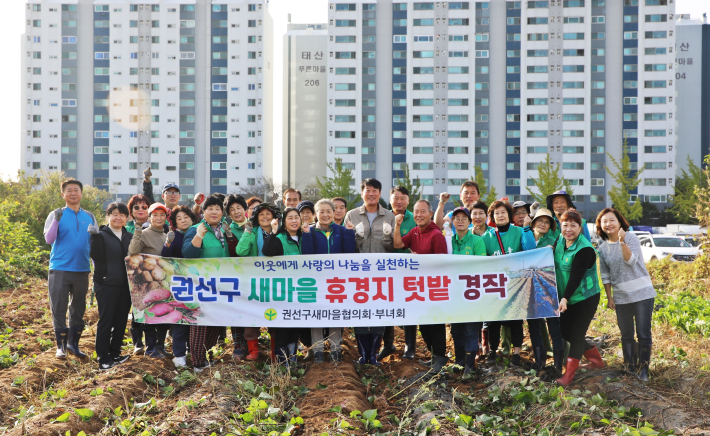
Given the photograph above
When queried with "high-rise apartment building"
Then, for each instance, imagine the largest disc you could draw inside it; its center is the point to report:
(305, 110)
(181, 86)
(448, 86)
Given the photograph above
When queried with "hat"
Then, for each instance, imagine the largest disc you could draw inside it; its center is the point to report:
(306, 204)
(545, 212)
(518, 204)
(155, 206)
(461, 209)
(552, 196)
(170, 185)
(271, 207)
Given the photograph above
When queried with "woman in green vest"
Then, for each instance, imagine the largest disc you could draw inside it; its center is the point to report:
(504, 239)
(286, 240)
(236, 208)
(577, 279)
(203, 241)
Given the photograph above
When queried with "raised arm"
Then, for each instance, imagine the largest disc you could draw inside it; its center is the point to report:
(439, 214)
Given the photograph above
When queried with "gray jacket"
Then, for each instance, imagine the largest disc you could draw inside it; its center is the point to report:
(374, 240)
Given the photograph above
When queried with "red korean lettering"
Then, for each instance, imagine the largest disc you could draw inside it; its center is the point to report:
(390, 288)
(414, 285)
(362, 286)
(336, 287)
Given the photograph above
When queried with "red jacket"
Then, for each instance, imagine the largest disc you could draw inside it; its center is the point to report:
(427, 241)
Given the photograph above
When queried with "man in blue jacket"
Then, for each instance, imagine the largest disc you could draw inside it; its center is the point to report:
(68, 230)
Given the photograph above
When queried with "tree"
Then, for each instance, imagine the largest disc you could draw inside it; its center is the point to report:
(265, 188)
(487, 195)
(625, 180)
(549, 180)
(684, 199)
(414, 187)
(339, 185)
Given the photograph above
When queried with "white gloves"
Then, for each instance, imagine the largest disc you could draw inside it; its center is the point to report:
(171, 237)
(360, 230)
(202, 230)
(386, 229)
(93, 229)
(533, 209)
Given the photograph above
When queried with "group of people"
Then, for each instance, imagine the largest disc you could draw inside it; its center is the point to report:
(232, 226)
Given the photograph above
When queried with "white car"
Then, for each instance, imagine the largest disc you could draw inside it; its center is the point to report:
(662, 246)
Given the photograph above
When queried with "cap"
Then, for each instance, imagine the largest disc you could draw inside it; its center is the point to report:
(155, 206)
(461, 209)
(170, 185)
(306, 204)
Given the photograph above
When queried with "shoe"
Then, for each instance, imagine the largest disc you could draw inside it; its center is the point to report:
(410, 342)
(644, 361)
(61, 336)
(572, 365)
(439, 363)
(121, 359)
(253, 350)
(376, 341)
(160, 342)
(138, 350)
(237, 355)
(627, 349)
(540, 354)
(459, 358)
(364, 345)
(426, 363)
(137, 337)
(201, 367)
(73, 341)
(336, 356)
(179, 361)
(515, 360)
(594, 358)
(106, 366)
(318, 357)
(470, 364)
(492, 357)
(387, 350)
(559, 356)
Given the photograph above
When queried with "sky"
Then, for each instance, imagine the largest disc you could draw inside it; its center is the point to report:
(302, 11)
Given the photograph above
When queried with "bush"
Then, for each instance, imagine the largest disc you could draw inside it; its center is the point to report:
(20, 252)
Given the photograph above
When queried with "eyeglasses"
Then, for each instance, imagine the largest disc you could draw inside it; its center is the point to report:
(171, 193)
(137, 207)
(461, 220)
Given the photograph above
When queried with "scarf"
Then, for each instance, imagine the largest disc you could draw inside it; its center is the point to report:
(260, 241)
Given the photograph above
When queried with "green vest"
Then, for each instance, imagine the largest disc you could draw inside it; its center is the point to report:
(563, 267)
(546, 241)
(512, 241)
(211, 247)
(558, 229)
(471, 245)
(237, 231)
(290, 246)
(407, 224)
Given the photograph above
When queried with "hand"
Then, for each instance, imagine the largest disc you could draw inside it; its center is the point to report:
(248, 227)
(610, 303)
(147, 173)
(444, 197)
(527, 221)
(622, 235)
(305, 228)
(138, 230)
(387, 229)
(170, 238)
(199, 198)
(447, 229)
(226, 229)
(398, 220)
(274, 226)
(360, 230)
(202, 230)
(563, 306)
(58, 214)
(349, 225)
(478, 231)
(145, 225)
(93, 229)
(533, 209)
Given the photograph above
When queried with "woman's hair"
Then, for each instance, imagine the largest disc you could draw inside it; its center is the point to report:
(122, 209)
(271, 207)
(252, 200)
(499, 203)
(479, 205)
(232, 200)
(137, 199)
(213, 200)
(324, 201)
(622, 222)
(571, 216)
(282, 227)
(177, 209)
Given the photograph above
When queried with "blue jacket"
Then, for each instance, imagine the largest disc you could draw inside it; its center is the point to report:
(340, 240)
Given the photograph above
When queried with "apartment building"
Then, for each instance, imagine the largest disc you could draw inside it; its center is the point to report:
(448, 86)
(115, 86)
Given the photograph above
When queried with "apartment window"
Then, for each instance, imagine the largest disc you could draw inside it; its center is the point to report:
(658, 34)
(654, 182)
(654, 67)
(345, 118)
(423, 22)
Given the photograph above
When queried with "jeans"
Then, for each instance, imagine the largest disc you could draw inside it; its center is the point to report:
(466, 333)
(181, 335)
(636, 316)
(553, 325)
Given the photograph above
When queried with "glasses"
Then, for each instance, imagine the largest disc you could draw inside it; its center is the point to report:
(520, 213)
(137, 207)
(461, 220)
(171, 193)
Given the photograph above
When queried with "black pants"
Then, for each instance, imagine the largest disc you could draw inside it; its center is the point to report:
(114, 303)
(434, 336)
(516, 333)
(575, 322)
(283, 336)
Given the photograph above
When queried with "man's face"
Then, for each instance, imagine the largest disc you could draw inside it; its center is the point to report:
(469, 194)
(340, 210)
(399, 201)
(306, 215)
(371, 196)
(72, 194)
(422, 214)
(292, 199)
(559, 205)
(171, 197)
(461, 221)
(519, 216)
(478, 216)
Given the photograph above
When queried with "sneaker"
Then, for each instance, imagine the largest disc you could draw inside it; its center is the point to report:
(106, 366)
(138, 349)
(155, 354)
(179, 361)
(318, 357)
(121, 359)
(515, 360)
(202, 367)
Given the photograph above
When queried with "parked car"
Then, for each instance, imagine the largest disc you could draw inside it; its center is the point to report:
(661, 246)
